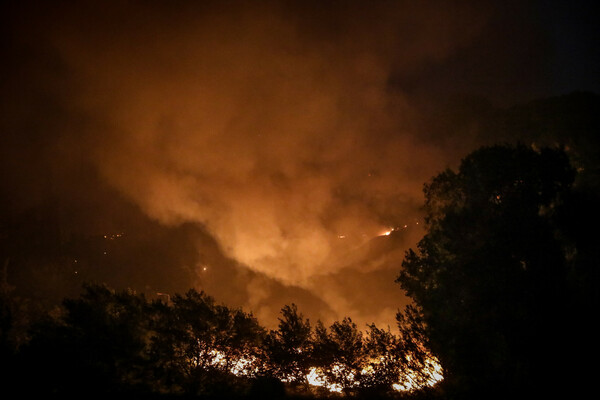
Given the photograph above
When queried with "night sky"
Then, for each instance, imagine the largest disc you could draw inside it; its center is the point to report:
(256, 150)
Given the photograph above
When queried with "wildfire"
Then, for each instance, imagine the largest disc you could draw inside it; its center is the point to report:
(432, 371)
(387, 232)
(317, 377)
(113, 236)
(241, 367)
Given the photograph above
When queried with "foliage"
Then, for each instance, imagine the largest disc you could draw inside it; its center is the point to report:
(121, 343)
(289, 347)
(418, 363)
(95, 343)
(343, 349)
(491, 276)
(196, 341)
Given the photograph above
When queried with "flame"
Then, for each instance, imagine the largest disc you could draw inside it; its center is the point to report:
(432, 371)
(316, 377)
(387, 232)
(250, 366)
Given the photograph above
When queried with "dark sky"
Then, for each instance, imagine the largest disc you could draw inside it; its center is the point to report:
(258, 149)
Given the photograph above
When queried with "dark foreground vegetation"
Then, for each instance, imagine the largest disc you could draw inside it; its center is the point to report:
(506, 276)
(120, 343)
(505, 290)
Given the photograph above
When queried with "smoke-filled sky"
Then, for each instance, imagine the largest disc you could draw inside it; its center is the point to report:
(258, 149)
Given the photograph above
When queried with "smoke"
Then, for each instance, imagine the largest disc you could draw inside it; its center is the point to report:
(275, 126)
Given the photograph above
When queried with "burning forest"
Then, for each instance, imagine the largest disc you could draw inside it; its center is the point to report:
(119, 342)
(299, 198)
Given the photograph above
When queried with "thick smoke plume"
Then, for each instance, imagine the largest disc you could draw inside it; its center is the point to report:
(281, 128)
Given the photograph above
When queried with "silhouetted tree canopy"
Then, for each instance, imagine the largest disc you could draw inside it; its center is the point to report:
(341, 353)
(498, 274)
(290, 346)
(120, 343)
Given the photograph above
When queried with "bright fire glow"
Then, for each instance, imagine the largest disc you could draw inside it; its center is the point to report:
(316, 376)
(387, 232)
(433, 373)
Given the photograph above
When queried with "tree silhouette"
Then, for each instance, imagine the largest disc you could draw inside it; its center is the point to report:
(95, 344)
(290, 347)
(491, 273)
(116, 343)
(119, 342)
(417, 367)
(198, 345)
(341, 352)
